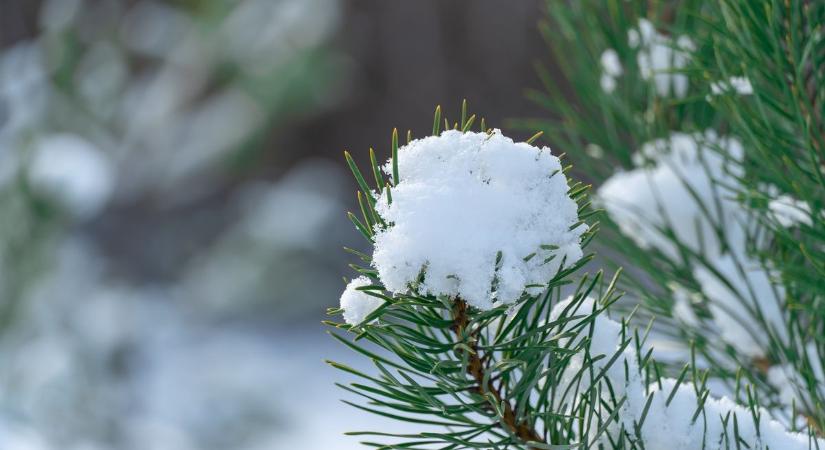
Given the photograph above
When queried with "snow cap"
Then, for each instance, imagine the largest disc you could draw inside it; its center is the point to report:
(480, 216)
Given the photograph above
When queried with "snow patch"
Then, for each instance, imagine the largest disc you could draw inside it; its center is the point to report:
(667, 424)
(739, 85)
(74, 172)
(682, 186)
(463, 200)
(611, 69)
(357, 304)
(789, 211)
(660, 58)
(662, 193)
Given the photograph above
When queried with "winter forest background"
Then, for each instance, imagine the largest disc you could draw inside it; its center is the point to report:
(175, 198)
(173, 299)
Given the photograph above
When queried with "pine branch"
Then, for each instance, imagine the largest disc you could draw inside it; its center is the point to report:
(757, 277)
(498, 361)
(477, 369)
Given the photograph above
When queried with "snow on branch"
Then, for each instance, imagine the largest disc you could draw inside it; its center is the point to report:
(680, 201)
(676, 178)
(666, 413)
(475, 215)
(356, 303)
(661, 58)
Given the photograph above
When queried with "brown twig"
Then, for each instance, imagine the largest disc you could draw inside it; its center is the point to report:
(476, 369)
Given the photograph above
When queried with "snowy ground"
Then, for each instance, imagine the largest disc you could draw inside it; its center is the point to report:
(316, 417)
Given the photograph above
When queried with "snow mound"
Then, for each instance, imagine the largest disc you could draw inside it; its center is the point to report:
(685, 185)
(739, 297)
(357, 304)
(662, 193)
(479, 216)
(667, 424)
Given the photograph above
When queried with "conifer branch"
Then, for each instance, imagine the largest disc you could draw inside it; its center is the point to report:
(476, 368)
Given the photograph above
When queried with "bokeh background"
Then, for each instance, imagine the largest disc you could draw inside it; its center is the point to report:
(173, 202)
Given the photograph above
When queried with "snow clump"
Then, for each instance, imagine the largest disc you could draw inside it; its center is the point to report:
(73, 171)
(611, 69)
(357, 304)
(662, 192)
(684, 184)
(788, 211)
(477, 216)
(739, 85)
(660, 58)
(668, 418)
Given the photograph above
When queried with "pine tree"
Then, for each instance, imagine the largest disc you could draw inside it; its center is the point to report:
(714, 113)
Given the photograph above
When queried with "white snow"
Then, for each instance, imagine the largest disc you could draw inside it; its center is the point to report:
(684, 185)
(643, 33)
(357, 304)
(736, 308)
(607, 83)
(789, 211)
(781, 377)
(670, 425)
(19, 436)
(594, 151)
(89, 350)
(462, 199)
(660, 193)
(739, 85)
(611, 69)
(611, 64)
(660, 58)
(682, 309)
(74, 172)
(788, 380)
(24, 91)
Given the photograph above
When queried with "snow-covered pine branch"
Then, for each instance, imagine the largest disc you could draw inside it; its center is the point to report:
(665, 412)
(474, 238)
(472, 232)
(714, 197)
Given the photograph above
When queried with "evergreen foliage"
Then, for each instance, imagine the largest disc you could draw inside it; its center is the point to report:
(779, 48)
(740, 83)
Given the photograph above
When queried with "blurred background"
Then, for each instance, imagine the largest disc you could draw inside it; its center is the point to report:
(174, 198)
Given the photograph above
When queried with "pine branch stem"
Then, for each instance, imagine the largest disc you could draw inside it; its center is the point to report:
(476, 368)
